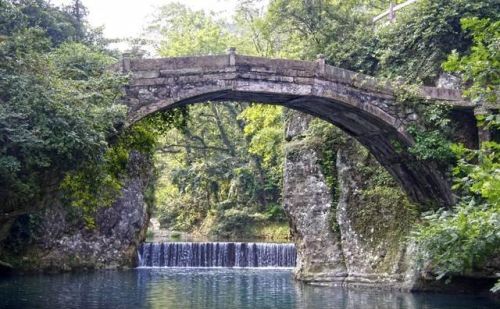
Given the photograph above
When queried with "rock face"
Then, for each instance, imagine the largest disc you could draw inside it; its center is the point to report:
(355, 234)
(448, 81)
(308, 204)
(373, 221)
(356, 240)
(61, 246)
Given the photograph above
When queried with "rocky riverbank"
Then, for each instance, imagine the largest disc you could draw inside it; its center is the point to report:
(56, 243)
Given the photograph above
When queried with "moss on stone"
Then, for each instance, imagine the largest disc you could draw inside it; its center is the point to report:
(379, 211)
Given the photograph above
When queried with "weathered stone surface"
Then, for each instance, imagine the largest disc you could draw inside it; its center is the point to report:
(373, 222)
(308, 205)
(62, 246)
(361, 240)
(448, 81)
(358, 241)
(361, 105)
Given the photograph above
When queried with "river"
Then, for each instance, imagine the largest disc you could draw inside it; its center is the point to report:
(209, 275)
(184, 288)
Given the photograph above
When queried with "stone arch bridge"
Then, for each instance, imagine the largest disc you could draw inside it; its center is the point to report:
(358, 104)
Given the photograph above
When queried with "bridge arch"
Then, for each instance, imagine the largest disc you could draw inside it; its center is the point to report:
(356, 103)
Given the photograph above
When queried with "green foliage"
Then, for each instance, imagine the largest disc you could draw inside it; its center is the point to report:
(61, 113)
(188, 33)
(51, 121)
(90, 188)
(226, 155)
(431, 146)
(431, 131)
(460, 240)
(481, 68)
(308, 28)
(97, 184)
(76, 61)
(15, 16)
(478, 172)
(489, 121)
(164, 121)
(60, 24)
(360, 52)
(209, 165)
(423, 36)
(275, 212)
(233, 223)
(264, 129)
(412, 48)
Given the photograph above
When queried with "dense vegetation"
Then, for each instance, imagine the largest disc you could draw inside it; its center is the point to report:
(461, 240)
(58, 103)
(221, 172)
(220, 165)
(61, 120)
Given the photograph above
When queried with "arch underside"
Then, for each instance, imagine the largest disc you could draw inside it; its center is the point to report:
(422, 181)
(355, 113)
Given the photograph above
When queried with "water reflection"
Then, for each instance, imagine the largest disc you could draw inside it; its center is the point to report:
(206, 288)
(220, 288)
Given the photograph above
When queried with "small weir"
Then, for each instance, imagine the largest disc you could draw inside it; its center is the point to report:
(217, 254)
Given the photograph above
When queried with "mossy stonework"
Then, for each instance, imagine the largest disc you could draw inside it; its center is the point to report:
(374, 218)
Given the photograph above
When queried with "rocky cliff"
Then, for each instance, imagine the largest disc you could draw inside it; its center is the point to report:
(308, 204)
(351, 230)
(57, 243)
(374, 217)
(350, 219)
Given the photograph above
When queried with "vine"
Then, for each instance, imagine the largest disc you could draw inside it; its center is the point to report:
(431, 129)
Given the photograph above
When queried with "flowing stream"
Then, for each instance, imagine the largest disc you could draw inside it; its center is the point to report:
(217, 254)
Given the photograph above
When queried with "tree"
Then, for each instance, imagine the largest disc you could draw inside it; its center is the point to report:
(481, 68)
(459, 241)
(58, 107)
(60, 26)
(211, 169)
(424, 35)
(185, 32)
(79, 13)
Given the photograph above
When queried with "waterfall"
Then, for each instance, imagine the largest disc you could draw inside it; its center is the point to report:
(216, 254)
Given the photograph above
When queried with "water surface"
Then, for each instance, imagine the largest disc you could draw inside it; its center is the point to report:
(206, 288)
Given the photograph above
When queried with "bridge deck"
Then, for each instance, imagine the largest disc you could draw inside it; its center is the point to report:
(148, 69)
